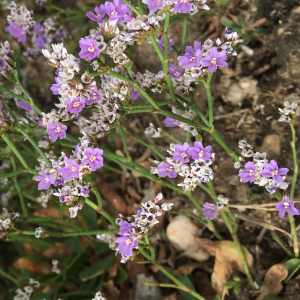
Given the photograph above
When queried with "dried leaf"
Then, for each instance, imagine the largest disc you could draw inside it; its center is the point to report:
(273, 279)
(209, 245)
(145, 164)
(47, 213)
(227, 260)
(133, 193)
(186, 269)
(26, 263)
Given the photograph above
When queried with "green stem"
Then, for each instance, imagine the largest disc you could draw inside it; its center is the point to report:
(281, 243)
(96, 192)
(125, 146)
(209, 99)
(169, 285)
(131, 7)
(141, 7)
(11, 113)
(11, 278)
(293, 146)
(7, 175)
(184, 30)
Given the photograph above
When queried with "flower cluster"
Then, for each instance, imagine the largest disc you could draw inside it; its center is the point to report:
(260, 170)
(99, 296)
(5, 222)
(55, 268)
(288, 112)
(133, 228)
(27, 291)
(45, 197)
(5, 58)
(195, 172)
(108, 238)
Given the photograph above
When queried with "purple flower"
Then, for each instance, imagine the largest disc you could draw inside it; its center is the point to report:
(55, 87)
(124, 227)
(162, 46)
(94, 96)
(192, 56)
(70, 170)
(175, 73)
(215, 59)
(170, 122)
(181, 153)
(38, 28)
(16, 31)
(139, 210)
(89, 49)
(209, 210)
(134, 93)
(40, 43)
(182, 6)
(45, 181)
(154, 5)
(198, 152)
(93, 158)
(117, 10)
(271, 170)
(24, 105)
(84, 191)
(248, 175)
(287, 205)
(99, 16)
(76, 105)
(167, 170)
(56, 130)
(126, 245)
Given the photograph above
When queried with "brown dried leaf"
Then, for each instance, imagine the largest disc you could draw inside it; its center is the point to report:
(209, 245)
(227, 260)
(47, 213)
(26, 263)
(133, 193)
(186, 269)
(273, 279)
(145, 164)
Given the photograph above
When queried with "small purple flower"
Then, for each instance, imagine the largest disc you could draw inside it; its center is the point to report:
(124, 227)
(215, 59)
(134, 93)
(117, 10)
(126, 245)
(45, 181)
(162, 46)
(181, 153)
(167, 170)
(287, 205)
(99, 16)
(89, 49)
(84, 191)
(93, 158)
(248, 175)
(183, 6)
(40, 43)
(139, 210)
(198, 152)
(55, 87)
(56, 130)
(271, 170)
(58, 181)
(175, 73)
(24, 105)
(192, 56)
(76, 105)
(16, 31)
(209, 210)
(94, 96)
(38, 28)
(154, 5)
(170, 122)
(69, 171)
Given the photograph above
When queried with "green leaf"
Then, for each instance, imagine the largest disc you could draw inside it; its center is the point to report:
(241, 21)
(229, 284)
(230, 24)
(237, 288)
(217, 297)
(89, 216)
(101, 247)
(222, 2)
(292, 265)
(187, 282)
(97, 269)
(121, 276)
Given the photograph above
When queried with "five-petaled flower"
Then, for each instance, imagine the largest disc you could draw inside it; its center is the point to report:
(214, 60)
(70, 170)
(167, 170)
(286, 205)
(75, 105)
(198, 152)
(89, 49)
(99, 14)
(124, 227)
(209, 210)
(93, 158)
(56, 130)
(16, 31)
(181, 153)
(45, 181)
(248, 175)
(170, 122)
(183, 6)
(192, 56)
(94, 96)
(271, 170)
(154, 5)
(126, 245)
(174, 72)
(117, 10)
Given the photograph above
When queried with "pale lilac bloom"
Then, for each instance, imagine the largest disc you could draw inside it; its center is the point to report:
(16, 31)
(287, 205)
(76, 105)
(209, 210)
(24, 105)
(271, 170)
(181, 153)
(38, 28)
(134, 93)
(175, 73)
(117, 10)
(94, 96)
(126, 245)
(45, 181)
(170, 122)
(99, 14)
(40, 43)
(139, 210)
(162, 46)
(93, 158)
(56, 130)
(124, 227)
(215, 59)
(183, 6)
(248, 175)
(89, 49)
(198, 152)
(56, 86)
(154, 5)
(192, 56)
(70, 170)
(167, 170)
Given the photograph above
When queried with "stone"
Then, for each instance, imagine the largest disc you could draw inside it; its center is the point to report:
(271, 145)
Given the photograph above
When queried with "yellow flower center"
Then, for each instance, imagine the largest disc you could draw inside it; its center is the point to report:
(213, 61)
(114, 13)
(170, 169)
(183, 1)
(23, 32)
(91, 49)
(128, 242)
(183, 155)
(92, 158)
(74, 169)
(76, 104)
(274, 173)
(193, 59)
(176, 73)
(212, 207)
(251, 172)
(58, 129)
(47, 179)
(286, 204)
(201, 153)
